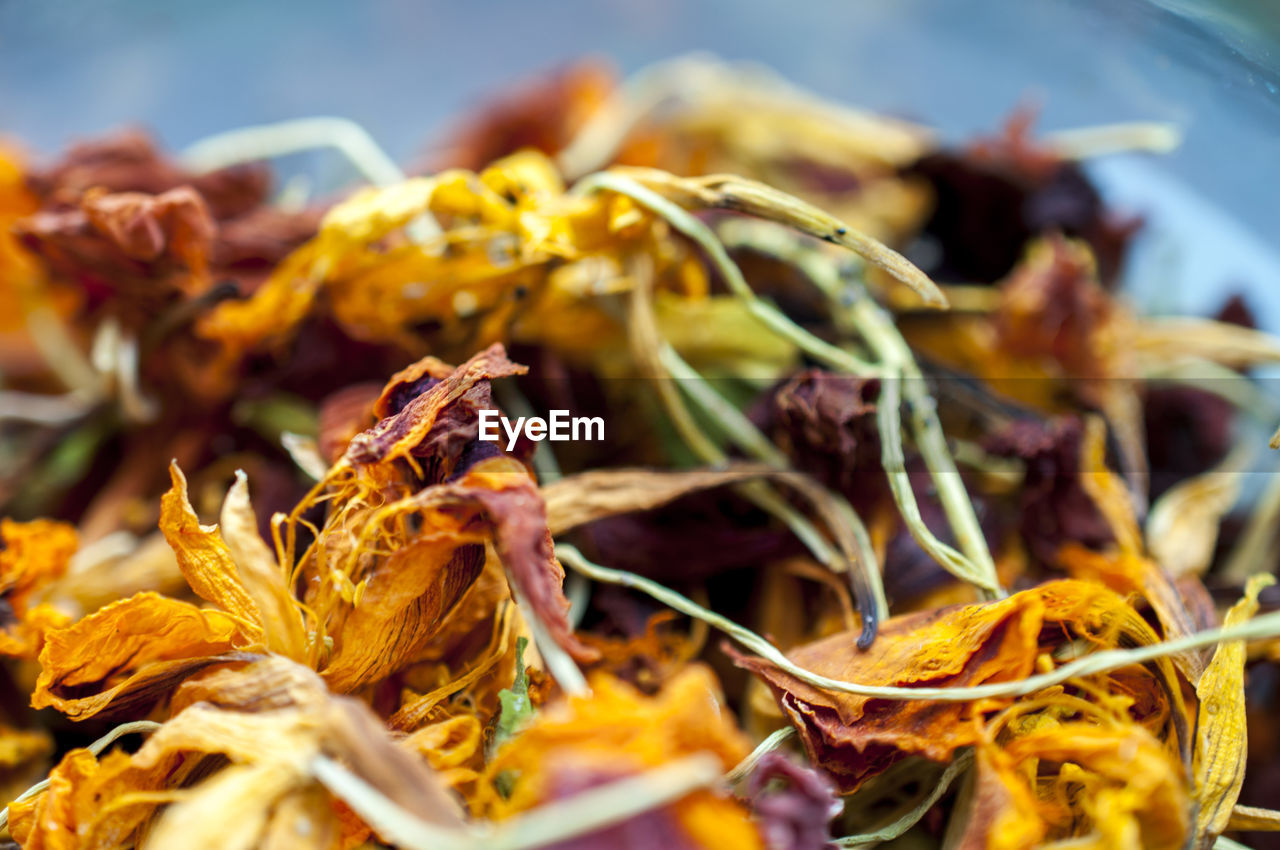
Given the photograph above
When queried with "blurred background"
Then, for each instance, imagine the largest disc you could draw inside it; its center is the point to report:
(72, 68)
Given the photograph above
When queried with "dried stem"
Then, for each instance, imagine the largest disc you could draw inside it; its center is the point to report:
(891, 831)
(743, 768)
(1263, 627)
(137, 726)
(268, 141)
(552, 823)
(854, 312)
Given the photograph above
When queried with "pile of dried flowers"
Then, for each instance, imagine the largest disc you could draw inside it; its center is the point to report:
(974, 540)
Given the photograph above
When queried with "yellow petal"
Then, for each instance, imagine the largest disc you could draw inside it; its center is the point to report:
(1222, 733)
(204, 558)
(1182, 528)
(265, 581)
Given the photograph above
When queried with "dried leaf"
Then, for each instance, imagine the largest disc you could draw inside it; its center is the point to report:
(517, 708)
(589, 496)
(723, 191)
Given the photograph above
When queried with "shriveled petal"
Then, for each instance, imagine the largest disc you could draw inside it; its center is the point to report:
(398, 435)
(509, 501)
(229, 811)
(268, 683)
(855, 738)
(203, 556)
(134, 651)
(616, 732)
(1222, 733)
(263, 578)
(1129, 791)
(403, 606)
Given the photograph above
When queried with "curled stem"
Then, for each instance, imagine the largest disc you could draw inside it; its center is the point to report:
(267, 141)
(856, 556)
(138, 726)
(1265, 626)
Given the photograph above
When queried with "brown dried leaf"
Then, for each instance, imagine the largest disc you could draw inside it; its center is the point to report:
(588, 496)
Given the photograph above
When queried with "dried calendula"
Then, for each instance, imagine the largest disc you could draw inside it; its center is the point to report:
(138, 648)
(377, 610)
(380, 648)
(614, 732)
(413, 503)
(1125, 567)
(34, 556)
(855, 738)
(107, 802)
(1115, 787)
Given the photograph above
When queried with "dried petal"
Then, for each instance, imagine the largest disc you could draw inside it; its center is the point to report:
(799, 816)
(265, 581)
(1222, 734)
(615, 731)
(1130, 792)
(134, 651)
(34, 556)
(401, 434)
(855, 738)
(203, 556)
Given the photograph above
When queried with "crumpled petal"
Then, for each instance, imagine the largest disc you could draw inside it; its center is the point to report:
(1131, 794)
(592, 739)
(798, 816)
(265, 581)
(402, 607)
(203, 556)
(1222, 732)
(133, 651)
(104, 802)
(402, 433)
(855, 738)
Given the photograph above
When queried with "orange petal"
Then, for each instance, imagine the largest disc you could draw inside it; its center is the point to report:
(34, 555)
(203, 556)
(134, 651)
